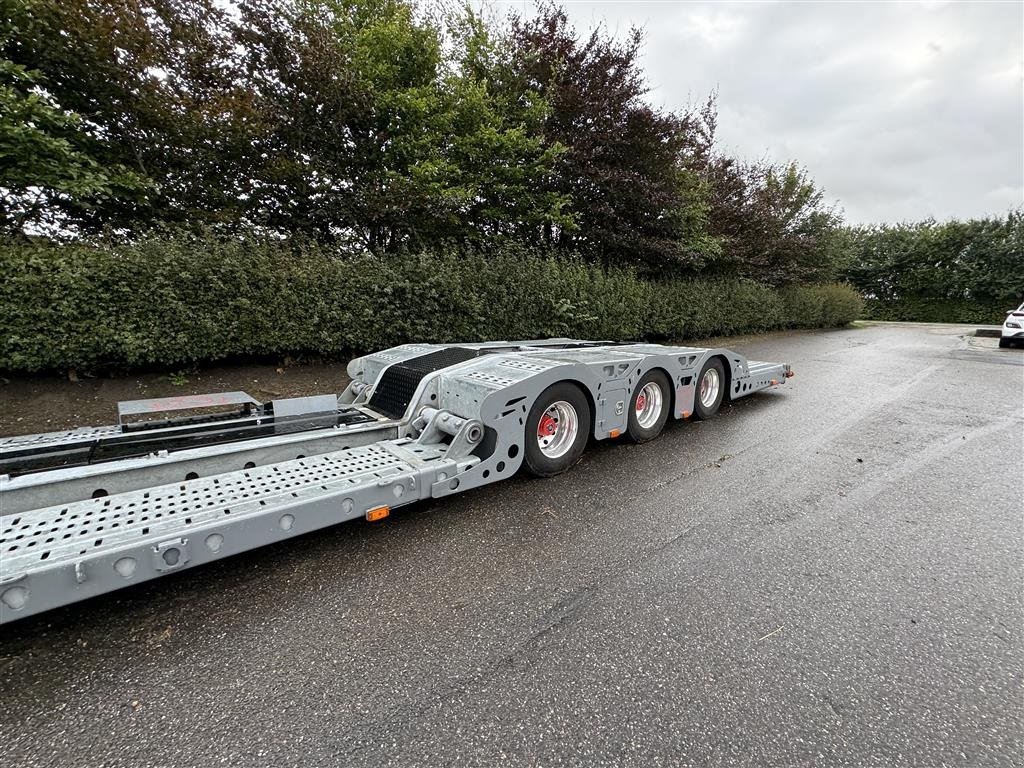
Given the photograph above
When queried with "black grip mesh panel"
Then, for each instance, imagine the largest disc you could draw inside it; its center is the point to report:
(398, 383)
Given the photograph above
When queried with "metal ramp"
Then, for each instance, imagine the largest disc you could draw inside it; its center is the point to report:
(47, 452)
(58, 555)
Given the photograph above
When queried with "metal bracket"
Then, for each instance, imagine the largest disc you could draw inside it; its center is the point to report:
(156, 405)
(355, 393)
(467, 438)
(170, 555)
(465, 434)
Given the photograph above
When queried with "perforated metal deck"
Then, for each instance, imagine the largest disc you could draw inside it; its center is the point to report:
(53, 556)
(83, 434)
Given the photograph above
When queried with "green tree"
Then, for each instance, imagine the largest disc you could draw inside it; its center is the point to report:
(773, 223)
(367, 122)
(980, 260)
(372, 134)
(157, 89)
(42, 158)
(47, 161)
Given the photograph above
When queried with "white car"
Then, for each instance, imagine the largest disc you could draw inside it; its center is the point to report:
(1013, 327)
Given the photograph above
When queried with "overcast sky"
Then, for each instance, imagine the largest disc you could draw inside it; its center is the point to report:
(899, 110)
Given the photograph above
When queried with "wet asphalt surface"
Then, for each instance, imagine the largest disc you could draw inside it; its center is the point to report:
(826, 574)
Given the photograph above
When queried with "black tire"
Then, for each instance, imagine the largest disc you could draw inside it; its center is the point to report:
(701, 411)
(637, 433)
(1004, 343)
(534, 460)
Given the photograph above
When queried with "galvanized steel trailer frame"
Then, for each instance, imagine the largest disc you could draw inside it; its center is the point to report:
(417, 421)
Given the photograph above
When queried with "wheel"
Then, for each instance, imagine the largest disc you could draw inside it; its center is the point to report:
(557, 429)
(649, 407)
(710, 389)
(1004, 343)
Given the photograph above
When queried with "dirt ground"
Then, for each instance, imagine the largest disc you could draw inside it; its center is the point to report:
(34, 404)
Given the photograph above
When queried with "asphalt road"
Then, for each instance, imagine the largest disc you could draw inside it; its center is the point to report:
(826, 574)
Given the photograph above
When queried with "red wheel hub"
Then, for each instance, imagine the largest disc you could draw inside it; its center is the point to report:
(547, 426)
(641, 402)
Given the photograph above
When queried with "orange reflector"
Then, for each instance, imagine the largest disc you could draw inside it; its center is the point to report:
(774, 382)
(614, 433)
(377, 513)
(686, 414)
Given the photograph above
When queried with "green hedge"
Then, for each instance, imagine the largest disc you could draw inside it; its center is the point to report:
(173, 300)
(924, 309)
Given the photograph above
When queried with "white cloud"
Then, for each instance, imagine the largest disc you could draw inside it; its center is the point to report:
(714, 28)
(900, 110)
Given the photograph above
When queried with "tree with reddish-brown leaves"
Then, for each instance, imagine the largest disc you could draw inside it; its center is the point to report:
(628, 169)
(772, 222)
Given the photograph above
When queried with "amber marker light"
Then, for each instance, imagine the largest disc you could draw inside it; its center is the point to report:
(377, 513)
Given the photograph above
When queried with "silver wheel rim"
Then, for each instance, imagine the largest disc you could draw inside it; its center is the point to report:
(648, 405)
(557, 429)
(710, 383)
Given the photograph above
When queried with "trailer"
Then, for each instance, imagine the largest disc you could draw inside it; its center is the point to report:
(179, 482)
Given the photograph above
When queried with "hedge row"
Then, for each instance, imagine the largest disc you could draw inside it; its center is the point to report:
(179, 300)
(926, 309)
